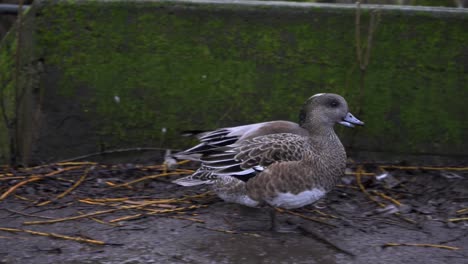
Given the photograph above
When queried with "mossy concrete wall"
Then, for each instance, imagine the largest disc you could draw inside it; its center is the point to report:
(115, 74)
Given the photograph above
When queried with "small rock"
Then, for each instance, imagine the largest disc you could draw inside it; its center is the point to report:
(451, 175)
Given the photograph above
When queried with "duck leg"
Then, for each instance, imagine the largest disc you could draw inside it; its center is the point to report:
(276, 227)
(273, 219)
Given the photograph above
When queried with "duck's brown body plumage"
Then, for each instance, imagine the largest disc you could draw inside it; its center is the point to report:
(297, 176)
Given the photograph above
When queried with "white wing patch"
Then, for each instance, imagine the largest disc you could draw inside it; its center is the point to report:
(259, 168)
(239, 131)
(291, 201)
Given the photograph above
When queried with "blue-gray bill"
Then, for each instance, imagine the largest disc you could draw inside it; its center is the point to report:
(351, 120)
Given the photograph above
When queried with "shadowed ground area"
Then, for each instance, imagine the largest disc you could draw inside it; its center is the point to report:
(86, 212)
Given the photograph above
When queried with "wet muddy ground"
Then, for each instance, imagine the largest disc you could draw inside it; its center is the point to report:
(181, 227)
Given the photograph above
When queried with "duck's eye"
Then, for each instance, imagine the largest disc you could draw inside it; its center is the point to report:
(334, 103)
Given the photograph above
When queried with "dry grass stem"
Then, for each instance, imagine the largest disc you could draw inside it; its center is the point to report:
(54, 235)
(458, 219)
(74, 186)
(229, 231)
(361, 174)
(89, 214)
(421, 245)
(189, 219)
(153, 212)
(13, 188)
(150, 177)
(34, 178)
(386, 197)
(324, 214)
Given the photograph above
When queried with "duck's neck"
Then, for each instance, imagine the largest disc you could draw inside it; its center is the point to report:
(319, 130)
(325, 140)
(330, 158)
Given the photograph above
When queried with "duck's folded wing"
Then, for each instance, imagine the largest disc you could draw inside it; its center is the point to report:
(247, 158)
(211, 141)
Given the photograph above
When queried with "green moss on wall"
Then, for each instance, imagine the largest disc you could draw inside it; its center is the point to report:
(7, 93)
(136, 68)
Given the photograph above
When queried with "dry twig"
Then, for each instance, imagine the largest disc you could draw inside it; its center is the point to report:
(420, 245)
(34, 178)
(74, 186)
(151, 177)
(386, 197)
(229, 231)
(88, 215)
(54, 235)
(458, 219)
(164, 211)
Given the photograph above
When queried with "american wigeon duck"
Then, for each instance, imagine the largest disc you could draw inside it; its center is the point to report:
(279, 163)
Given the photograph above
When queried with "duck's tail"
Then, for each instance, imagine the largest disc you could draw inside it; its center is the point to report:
(202, 176)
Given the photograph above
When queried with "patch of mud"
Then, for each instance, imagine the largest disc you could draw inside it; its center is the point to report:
(230, 233)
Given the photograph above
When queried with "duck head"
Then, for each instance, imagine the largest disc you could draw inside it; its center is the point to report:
(326, 110)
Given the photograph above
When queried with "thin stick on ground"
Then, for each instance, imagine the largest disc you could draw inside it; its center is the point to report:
(100, 221)
(225, 231)
(323, 214)
(8, 178)
(386, 197)
(54, 235)
(29, 215)
(81, 163)
(74, 186)
(22, 198)
(33, 179)
(107, 200)
(458, 219)
(149, 177)
(420, 245)
(362, 173)
(189, 219)
(164, 211)
(89, 214)
(229, 231)
(16, 186)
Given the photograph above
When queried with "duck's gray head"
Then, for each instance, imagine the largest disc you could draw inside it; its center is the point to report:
(327, 109)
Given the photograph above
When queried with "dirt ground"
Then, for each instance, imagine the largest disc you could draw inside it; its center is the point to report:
(182, 226)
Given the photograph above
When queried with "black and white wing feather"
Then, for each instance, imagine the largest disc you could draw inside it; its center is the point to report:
(210, 141)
